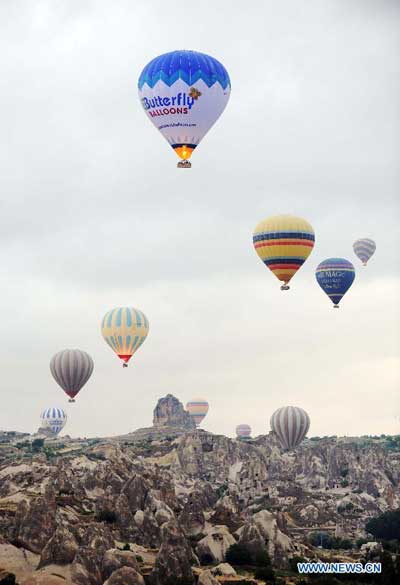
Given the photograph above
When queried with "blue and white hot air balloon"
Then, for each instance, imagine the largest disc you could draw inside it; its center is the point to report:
(364, 249)
(53, 418)
(184, 93)
(335, 276)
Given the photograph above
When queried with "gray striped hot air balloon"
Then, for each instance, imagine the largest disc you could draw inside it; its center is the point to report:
(364, 249)
(71, 369)
(290, 424)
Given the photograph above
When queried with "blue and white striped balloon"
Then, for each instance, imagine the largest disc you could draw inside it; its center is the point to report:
(364, 249)
(53, 418)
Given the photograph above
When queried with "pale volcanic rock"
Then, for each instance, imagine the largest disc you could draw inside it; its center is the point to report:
(207, 578)
(175, 559)
(60, 549)
(214, 545)
(125, 576)
(18, 561)
(35, 522)
(224, 570)
(261, 532)
(115, 559)
(169, 412)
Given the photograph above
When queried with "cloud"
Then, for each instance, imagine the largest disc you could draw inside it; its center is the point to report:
(94, 213)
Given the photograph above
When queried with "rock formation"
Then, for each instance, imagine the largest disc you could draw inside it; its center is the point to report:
(169, 412)
(134, 510)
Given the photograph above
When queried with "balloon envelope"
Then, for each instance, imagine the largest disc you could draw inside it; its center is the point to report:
(125, 330)
(53, 418)
(364, 249)
(335, 276)
(243, 430)
(183, 93)
(291, 424)
(71, 369)
(197, 408)
(284, 242)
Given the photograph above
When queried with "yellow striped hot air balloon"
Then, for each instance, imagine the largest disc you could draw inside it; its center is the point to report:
(284, 242)
(125, 329)
(197, 408)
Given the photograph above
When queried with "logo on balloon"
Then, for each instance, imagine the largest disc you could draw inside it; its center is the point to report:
(180, 103)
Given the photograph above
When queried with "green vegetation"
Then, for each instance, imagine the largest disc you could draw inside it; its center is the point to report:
(220, 491)
(106, 516)
(386, 526)
(238, 554)
(37, 445)
(329, 542)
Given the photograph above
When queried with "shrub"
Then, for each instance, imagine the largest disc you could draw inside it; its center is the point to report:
(37, 444)
(386, 526)
(262, 559)
(238, 554)
(126, 546)
(106, 516)
(139, 559)
(293, 563)
(265, 574)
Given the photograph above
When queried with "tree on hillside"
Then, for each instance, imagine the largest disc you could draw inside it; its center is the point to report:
(386, 526)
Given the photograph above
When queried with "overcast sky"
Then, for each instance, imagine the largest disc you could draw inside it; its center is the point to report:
(94, 213)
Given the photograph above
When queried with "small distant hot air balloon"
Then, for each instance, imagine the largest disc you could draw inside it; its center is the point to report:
(364, 249)
(291, 424)
(243, 431)
(184, 93)
(71, 369)
(335, 276)
(284, 242)
(53, 418)
(197, 408)
(125, 329)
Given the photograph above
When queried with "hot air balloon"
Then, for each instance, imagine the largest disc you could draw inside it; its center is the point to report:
(184, 93)
(335, 276)
(71, 369)
(243, 431)
(125, 329)
(197, 408)
(364, 249)
(53, 418)
(291, 424)
(284, 242)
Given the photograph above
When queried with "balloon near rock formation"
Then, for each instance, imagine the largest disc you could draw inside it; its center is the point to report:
(184, 93)
(125, 329)
(335, 276)
(243, 431)
(284, 242)
(53, 418)
(197, 408)
(71, 369)
(290, 424)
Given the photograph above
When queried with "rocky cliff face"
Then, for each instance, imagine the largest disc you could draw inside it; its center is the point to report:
(169, 412)
(155, 512)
